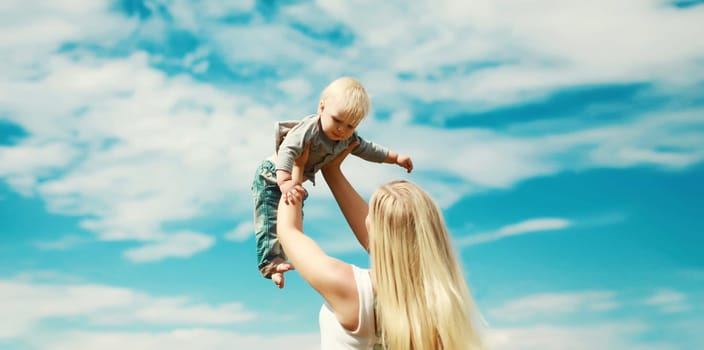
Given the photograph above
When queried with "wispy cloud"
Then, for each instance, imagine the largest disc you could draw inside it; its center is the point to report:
(180, 244)
(242, 232)
(520, 228)
(130, 147)
(31, 303)
(540, 46)
(556, 304)
(177, 311)
(123, 175)
(603, 335)
(668, 301)
(581, 320)
(176, 339)
(64, 243)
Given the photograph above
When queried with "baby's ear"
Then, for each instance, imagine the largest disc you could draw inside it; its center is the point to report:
(321, 106)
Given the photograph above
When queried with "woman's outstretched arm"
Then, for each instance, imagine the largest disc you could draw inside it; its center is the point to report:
(353, 206)
(332, 278)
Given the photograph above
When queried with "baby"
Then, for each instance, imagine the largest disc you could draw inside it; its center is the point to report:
(343, 104)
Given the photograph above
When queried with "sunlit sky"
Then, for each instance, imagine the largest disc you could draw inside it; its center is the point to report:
(564, 141)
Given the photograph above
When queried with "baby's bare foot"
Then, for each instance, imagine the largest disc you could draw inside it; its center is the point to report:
(278, 279)
(278, 275)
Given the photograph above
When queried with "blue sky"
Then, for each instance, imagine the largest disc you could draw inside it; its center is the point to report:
(563, 140)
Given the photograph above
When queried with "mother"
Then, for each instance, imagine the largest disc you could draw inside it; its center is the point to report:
(414, 296)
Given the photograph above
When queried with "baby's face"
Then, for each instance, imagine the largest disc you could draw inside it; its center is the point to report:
(335, 124)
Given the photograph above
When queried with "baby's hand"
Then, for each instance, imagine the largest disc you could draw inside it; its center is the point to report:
(404, 161)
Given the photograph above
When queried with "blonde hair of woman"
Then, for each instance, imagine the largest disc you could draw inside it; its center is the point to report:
(423, 299)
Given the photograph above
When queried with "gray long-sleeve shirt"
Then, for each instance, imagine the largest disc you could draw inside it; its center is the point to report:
(322, 149)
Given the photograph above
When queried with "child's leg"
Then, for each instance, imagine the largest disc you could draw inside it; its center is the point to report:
(266, 195)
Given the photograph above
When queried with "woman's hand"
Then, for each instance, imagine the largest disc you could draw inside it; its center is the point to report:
(335, 163)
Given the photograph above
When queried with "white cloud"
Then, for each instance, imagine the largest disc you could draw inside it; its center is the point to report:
(242, 232)
(555, 305)
(180, 244)
(668, 301)
(40, 276)
(192, 15)
(143, 151)
(297, 89)
(177, 311)
(520, 228)
(602, 335)
(131, 148)
(30, 303)
(183, 150)
(542, 46)
(224, 7)
(22, 166)
(177, 339)
(658, 138)
(284, 46)
(533, 225)
(31, 30)
(578, 320)
(63, 243)
(36, 158)
(486, 159)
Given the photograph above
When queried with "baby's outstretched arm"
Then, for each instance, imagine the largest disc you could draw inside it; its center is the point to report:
(284, 180)
(401, 160)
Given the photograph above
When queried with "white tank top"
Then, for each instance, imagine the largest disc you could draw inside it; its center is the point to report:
(335, 337)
